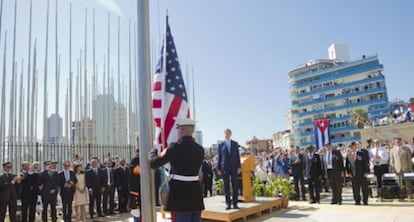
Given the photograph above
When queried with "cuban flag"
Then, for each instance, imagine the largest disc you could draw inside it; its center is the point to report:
(322, 135)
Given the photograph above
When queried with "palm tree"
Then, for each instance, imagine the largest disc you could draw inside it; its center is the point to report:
(359, 118)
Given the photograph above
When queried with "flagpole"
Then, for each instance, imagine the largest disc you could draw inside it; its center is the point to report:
(3, 96)
(12, 122)
(145, 123)
(70, 76)
(57, 80)
(28, 120)
(45, 126)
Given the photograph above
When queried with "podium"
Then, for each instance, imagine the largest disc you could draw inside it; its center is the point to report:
(247, 166)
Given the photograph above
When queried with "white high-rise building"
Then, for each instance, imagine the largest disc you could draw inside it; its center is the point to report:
(111, 121)
(104, 117)
(199, 137)
(54, 133)
(120, 124)
(339, 52)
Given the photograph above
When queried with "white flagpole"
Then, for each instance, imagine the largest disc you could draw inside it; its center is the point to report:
(45, 126)
(86, 113)
(12, 123)
(29, 121)
(145, 123)
(57, 139)
(70, 76)
(3, 95)
(118, 106)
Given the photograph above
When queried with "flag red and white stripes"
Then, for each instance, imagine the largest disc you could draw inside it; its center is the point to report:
(169, 96)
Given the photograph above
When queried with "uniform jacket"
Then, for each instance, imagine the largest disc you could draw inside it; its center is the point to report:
(185, 159)
(313, 166)
(361, 164)
(337, 163)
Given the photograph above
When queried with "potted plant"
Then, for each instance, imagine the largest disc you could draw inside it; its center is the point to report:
(219, 184)
(285, 187)
(258, 187)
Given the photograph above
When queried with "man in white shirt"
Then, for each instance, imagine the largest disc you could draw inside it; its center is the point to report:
(379, 158)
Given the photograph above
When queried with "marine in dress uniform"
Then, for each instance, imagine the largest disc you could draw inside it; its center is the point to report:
(185, 198)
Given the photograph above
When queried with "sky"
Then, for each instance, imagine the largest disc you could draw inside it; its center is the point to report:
(241, 51)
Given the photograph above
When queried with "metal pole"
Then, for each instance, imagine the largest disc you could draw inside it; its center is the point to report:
(145, 125)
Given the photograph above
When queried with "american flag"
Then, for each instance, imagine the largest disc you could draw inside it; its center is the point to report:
(169, 97)
(322, 133)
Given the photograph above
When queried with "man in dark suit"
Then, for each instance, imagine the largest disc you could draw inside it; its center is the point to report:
(29, 190)
(357, 166)
(8, 195)
(107, 187)
(207, 177)
(93, 182)
(335, 170)
(297, 164)
(314, 163)
(229, 167)
(185, 198)
(121, 183)
(67, 179)
(49, 180)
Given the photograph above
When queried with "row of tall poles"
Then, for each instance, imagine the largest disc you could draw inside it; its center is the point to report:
(22, 121)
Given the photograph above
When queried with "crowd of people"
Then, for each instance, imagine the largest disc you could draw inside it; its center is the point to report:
(95, 183)
(333, 167)
(76, 185)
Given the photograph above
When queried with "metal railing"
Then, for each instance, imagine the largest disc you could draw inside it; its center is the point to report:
(19, 152)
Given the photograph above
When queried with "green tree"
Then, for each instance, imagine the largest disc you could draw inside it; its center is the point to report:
(359, 118)
(412, 101)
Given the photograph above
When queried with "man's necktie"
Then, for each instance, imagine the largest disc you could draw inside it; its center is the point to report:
(329, 158)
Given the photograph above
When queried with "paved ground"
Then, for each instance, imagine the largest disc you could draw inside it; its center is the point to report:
(386, 211)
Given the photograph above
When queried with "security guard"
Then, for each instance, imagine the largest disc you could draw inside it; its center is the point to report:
(185, 198)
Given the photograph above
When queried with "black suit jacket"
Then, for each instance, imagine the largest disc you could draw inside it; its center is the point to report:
(7, 188)
(229, 162)
(361, 164)
(297, 168)
(121, 177)
(62, 181)
(49, 183)
(337, 163)
(29, 186)
(104, 177)
(315, 166)
(93, 181)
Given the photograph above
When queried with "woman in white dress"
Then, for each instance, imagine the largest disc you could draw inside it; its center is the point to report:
(80, 193)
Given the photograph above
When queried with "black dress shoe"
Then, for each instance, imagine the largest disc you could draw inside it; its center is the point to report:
(357, 203)
(228, 208)
(236, 207)
(312, 202)
(100, 215)
(334, 202)
(365, 203)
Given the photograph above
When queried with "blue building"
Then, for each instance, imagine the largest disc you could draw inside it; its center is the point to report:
(332, 88)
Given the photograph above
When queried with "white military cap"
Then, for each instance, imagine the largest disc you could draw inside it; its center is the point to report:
(184, 122)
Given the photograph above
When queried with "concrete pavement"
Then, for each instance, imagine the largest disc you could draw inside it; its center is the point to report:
(386, 211)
